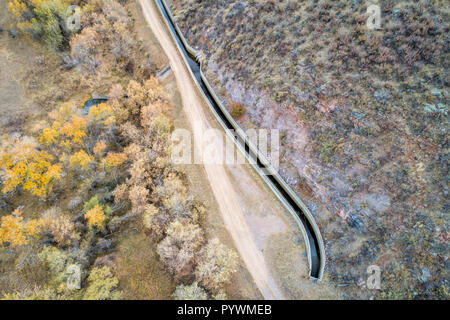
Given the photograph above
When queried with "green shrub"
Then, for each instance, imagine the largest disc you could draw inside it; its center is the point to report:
(91, 204)
(102, 285)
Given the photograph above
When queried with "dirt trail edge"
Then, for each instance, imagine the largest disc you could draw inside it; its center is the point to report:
(223, 190)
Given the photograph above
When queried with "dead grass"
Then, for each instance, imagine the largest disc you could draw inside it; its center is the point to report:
(141, 275)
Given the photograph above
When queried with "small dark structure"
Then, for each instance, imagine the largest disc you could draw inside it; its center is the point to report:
(94, 101)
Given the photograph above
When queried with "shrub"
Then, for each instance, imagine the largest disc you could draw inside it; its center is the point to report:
(190, 292)
(237, 110)
(80, 159)
(137, 97)
(216, 265)
(138, 196)
(84, 49)
(161, 125)
(115, 159)
(120, 193)
(138, 170)
(120, 42)
(179, 247)
(150, 212)
(44, 19)
(49, 136)
(60, 226)
(102, 285)
(58, 261)
(115, 12)
(91, 204)
(95, 213)
(173, 194)
(99, 147)
(220, 296)
(95, 217)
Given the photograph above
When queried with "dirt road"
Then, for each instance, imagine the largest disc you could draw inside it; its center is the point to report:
(221, 185)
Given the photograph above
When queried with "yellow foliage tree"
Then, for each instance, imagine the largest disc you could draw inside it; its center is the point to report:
(75, 129)
(48, 136)
(15, 231)
(34, 171)
(80, 159)
(115, 159)
(101, 111)
(17, 7)
(110, 121)
(66, 131)
(95, 217)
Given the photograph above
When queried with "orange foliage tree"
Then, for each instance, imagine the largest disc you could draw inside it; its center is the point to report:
(115, 159)
(99, 147)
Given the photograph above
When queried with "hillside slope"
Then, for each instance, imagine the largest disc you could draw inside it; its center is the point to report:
(364, 118)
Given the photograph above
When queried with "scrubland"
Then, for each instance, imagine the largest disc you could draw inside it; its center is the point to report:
(363, 116)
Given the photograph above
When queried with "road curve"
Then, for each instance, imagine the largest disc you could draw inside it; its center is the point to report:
(294, 205)
(220, 183)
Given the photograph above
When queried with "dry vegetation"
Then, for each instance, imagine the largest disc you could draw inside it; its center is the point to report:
(363, 116)
(97, 192)
(237, 110)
